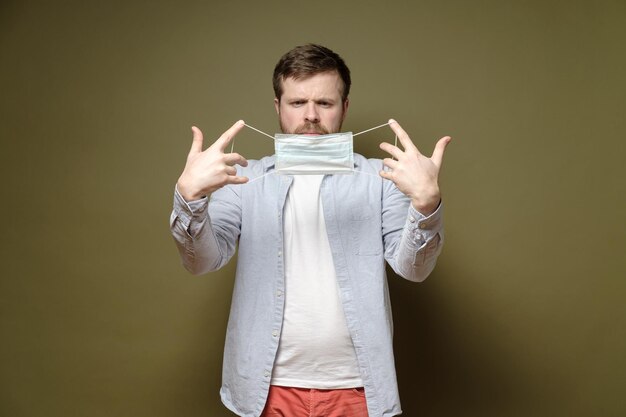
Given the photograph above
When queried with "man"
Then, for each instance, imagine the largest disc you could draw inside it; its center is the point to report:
(310, 328)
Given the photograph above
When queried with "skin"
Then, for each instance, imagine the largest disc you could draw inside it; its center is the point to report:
(313, 105)
(414, 174)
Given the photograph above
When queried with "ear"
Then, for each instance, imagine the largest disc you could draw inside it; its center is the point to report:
(277, 105)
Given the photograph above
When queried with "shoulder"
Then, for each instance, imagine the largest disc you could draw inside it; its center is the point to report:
(257, 167)
(372, 165)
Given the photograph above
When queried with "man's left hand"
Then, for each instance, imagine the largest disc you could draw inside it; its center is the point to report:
(414, 174)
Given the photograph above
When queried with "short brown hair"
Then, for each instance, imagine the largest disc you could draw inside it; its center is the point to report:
(307, 60)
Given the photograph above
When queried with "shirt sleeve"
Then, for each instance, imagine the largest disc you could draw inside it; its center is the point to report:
(203, 246)
(188, 216)
(413, 248)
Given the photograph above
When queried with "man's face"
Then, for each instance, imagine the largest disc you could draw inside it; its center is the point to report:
(312, 105)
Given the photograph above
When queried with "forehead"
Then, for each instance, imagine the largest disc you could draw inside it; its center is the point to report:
(324, 84)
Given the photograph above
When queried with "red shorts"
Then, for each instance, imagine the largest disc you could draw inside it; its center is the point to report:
(308, 402)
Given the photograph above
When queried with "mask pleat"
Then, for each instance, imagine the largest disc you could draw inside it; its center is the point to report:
(324, 154)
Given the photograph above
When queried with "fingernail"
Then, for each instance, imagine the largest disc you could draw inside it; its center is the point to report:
(392, 121)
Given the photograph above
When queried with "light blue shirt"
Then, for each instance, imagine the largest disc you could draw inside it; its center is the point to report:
(368, 221)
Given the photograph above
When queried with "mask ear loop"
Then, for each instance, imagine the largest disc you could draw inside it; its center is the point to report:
(232, 147)
(369, 130)
(395, 143)
(260, 131)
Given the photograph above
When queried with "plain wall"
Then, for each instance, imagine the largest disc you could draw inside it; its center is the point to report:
(525, 314)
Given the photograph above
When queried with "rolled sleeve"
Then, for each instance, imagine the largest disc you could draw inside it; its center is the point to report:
(422, 230)
(191, 214)
(421, 243)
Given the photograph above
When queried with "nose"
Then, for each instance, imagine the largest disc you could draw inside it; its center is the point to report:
(311, 115)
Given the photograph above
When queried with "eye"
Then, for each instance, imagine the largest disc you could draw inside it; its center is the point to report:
(297, 103)
(324, 104)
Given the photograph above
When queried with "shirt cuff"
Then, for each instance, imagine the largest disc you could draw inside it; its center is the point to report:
(187, 211)
(422, 228)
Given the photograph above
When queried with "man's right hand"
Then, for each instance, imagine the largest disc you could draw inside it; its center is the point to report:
(209, 170)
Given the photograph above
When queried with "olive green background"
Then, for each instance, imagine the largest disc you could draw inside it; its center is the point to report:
(525, 314)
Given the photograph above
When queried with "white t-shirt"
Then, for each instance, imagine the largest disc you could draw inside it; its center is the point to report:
(315, 349)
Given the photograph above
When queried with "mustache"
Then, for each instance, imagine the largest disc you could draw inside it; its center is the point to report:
(311, 128)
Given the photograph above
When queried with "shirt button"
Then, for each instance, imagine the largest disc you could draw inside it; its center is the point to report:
(275, 333)
(279, 293)
(266, 373)
(423, 225)
(280, 252)
(412, 219)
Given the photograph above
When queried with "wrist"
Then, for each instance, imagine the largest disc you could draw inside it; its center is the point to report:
(426, 200)
(187, 192)
(426, 206)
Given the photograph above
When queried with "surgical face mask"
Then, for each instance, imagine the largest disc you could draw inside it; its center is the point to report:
(306, 154)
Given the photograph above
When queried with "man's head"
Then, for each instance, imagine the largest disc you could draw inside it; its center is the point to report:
(311, 84)
(307, 60)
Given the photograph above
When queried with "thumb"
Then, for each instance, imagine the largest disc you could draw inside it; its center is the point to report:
(440, 147)
(196, 145)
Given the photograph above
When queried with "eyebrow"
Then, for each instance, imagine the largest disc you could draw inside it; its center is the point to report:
(317, 100)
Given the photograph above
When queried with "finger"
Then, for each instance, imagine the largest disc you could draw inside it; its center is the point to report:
(236, 180)
(196, 145)
(392, 150)
(386, 175)
(390, 163)
(440, 147)
(227, 136)
(405, 140)
(235, 158)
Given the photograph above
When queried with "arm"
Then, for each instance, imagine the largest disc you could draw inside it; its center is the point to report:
(205, 241)
(413, 254)
(415, 176)
(206, 244)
